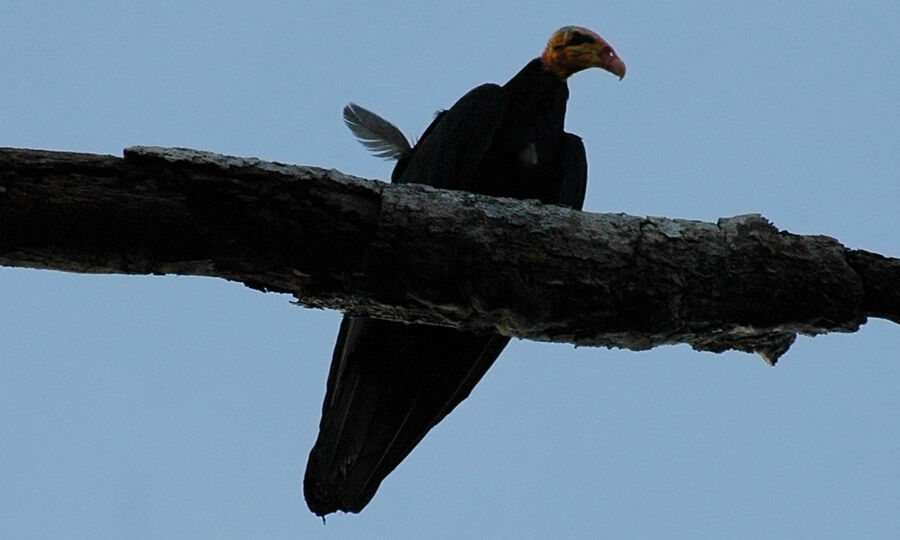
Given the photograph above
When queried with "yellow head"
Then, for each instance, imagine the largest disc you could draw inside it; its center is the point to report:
(573, 48)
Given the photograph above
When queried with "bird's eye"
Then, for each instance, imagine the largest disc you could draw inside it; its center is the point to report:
(579, 38)
(607, 52)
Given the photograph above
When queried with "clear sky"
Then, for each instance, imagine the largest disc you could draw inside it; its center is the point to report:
(179, 407)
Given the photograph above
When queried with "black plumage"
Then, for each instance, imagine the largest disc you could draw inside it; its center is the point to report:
(506, 141)
(390, 382)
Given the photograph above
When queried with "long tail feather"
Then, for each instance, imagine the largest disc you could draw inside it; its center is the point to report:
(389, 384)
(381, 137)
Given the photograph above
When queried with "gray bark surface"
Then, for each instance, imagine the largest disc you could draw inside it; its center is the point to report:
(417, 254)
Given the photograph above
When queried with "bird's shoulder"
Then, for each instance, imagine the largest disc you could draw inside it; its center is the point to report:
(454, 142)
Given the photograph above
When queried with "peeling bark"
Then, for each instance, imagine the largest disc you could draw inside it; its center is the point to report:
(418, 254)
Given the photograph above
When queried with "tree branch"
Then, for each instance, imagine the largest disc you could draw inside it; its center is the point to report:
(414, 253)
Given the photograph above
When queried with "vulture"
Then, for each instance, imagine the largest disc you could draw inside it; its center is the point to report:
(391, 382)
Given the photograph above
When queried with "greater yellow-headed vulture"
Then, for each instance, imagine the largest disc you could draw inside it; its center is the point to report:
(392, 382)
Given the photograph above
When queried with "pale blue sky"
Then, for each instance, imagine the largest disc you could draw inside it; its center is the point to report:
(176, 407)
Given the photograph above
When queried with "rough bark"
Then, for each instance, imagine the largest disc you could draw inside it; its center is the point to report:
(413, 253)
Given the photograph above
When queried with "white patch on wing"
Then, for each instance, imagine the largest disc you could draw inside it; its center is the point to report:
(528, 155)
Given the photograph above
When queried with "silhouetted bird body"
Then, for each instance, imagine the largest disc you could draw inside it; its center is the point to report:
(391, 382)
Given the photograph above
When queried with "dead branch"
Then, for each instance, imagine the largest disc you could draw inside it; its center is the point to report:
(413, 253)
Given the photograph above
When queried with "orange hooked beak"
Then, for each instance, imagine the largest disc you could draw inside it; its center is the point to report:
(614, 65)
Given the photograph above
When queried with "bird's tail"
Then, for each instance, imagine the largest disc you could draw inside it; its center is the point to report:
(389, 384)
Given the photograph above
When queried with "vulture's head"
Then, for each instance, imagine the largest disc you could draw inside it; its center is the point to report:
(573, 48)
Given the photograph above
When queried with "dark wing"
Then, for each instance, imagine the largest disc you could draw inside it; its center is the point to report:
(451, 148)
(381, 137)
(389, 384)
(573, 167)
